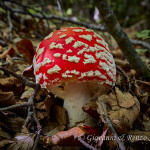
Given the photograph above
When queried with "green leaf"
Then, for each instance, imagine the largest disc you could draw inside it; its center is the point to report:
(141, 50)
(69, 11)
(143, 34)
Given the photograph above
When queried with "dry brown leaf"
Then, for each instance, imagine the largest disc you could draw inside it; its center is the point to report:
(27, 93)
(70, 137)
(1, 48)
(48, 105)
(14, 122)
(41, 115)
(7, 99)
(145, 122)
(60, 115)
(125, 100)
(5, 142)
(10, 52)
(22, 141)
(66, 137)
(120, 114)
(117, 53)
(11, 84)
(28, 72)
(91, 109)
(55, 130)
(25, 47)
(145, 86)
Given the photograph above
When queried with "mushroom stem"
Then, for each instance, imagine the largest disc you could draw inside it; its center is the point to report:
(76, 95)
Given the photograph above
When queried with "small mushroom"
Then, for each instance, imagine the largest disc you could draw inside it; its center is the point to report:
(70, 59)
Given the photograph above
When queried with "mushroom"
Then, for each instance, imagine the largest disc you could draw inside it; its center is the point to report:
(67, 61)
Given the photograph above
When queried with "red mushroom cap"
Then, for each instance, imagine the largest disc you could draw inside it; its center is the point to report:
(73, 54)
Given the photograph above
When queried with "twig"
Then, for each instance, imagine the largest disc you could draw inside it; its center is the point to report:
(60, 6)
(86, 144)
(108, 122)
(31, 105)
(14, 106)
(141, 43)
(10, 25)
(23, 79)
(3, 43)
(121, 38)
(126, 76)
(37, 139)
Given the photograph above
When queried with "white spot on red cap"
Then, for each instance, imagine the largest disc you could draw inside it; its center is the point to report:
(75, 72)
(45, 77)
(77, 30)
(87, 37)
(62, 36)
(89, 59)
(74, 59)
(64, 75)
(69, 51)
(58, 33)
(64, 57)
(49, 36)
(97, 73)
(38, 47)
(100, 41)
(38, 77)
(55, 69)
(57, 54)
(104, 66)
(46, 61)
(54, 45)
(37, 67)
(69, 40)
(63, 29)
(90, 74)
(39, 52)
(79, 44)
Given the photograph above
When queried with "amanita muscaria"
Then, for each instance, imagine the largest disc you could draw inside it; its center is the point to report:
(73, 57)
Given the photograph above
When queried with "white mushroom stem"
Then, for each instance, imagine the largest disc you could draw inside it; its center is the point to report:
(77, 95)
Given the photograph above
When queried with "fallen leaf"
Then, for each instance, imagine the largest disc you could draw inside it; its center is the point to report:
(67, 138)
(14, 122)
(7, 99)
(55, 131)
(11, 84)
(91, 109)
(125, 100)
(41, 115)
(5, 142)
(145, 122)
(22, 141)
(27, 93)
(1, 48)
(48, 105)
(28, 72)
(25, 47)
(121, 115)
(60, 115)
(10, 52)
